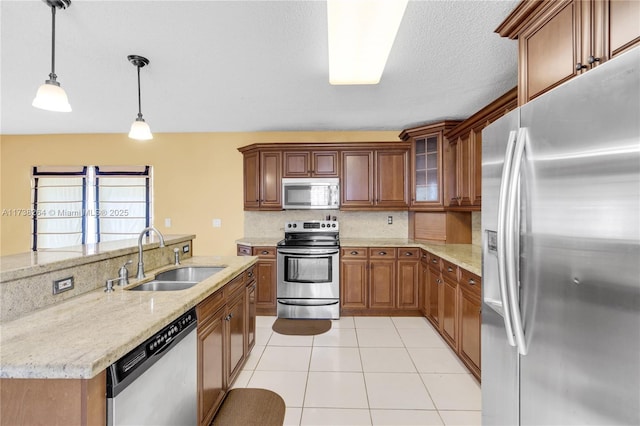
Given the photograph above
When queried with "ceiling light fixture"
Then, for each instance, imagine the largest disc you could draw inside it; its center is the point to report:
(361, 34)
(139, 129)
(50, 95)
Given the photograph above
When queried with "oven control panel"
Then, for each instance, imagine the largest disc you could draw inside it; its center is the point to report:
(311, 226)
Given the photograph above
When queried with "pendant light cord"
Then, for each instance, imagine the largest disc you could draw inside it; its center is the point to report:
(53, 75)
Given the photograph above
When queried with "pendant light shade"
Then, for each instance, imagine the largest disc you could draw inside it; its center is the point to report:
(50, 95)
(139, 129)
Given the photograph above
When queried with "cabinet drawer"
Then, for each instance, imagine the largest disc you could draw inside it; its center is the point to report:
(233, 285)
(250, 274)
(353, 252)
(265, 252)
(424, 256)
(470, 281)
(409, 253)
(434, 261)
(209, 306)
(382, 252)
(449, 270)
(243, 250)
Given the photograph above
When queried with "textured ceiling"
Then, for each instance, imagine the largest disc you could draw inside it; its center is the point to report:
(244, 66)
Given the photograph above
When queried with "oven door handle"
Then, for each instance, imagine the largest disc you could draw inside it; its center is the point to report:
(305, 252)
(307, 303)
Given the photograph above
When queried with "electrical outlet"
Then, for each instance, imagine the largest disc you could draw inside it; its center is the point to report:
(389, 220)
(185, 249)
(64, 284)
(217, 223)
(167, 222)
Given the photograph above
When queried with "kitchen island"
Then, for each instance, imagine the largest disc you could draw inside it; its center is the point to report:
(53, 360)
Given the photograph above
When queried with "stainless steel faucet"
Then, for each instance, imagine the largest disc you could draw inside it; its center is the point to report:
(140, 263)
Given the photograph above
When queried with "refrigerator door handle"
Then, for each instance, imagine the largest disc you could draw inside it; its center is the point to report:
(501, 243)
(512, 228)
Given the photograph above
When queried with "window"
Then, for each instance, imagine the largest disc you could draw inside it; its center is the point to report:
(89, 204)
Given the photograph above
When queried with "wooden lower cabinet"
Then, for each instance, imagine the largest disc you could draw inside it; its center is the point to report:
(234, 335)
(266, 277)
(226, 333)
(408, 278)
(382, 278)
(211, 378)
(470, 321)
(251, 313)
(380, 281)
(452, 304)
(354, 278)
(54, 401)
(449, 311)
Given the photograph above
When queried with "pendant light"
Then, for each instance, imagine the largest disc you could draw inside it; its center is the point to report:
(50, 95)
(139, 129)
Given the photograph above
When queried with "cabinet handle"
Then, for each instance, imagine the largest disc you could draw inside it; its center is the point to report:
(354, 252)
(434, 260)
(265, 252)
(438, 281)
(591, 59)
(408, 253)
(382, 253)
(579, 66)
(449, 269)
(250, 274)
(472, 281)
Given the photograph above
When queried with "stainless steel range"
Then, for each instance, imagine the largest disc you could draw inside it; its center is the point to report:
(309, 270)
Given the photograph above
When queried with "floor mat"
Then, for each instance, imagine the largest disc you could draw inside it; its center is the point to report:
(301, 327)
(249, 406)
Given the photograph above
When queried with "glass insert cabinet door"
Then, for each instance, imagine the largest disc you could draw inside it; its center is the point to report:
(427, 175)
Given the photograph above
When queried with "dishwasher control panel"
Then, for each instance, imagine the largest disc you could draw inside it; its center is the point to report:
(137, 361)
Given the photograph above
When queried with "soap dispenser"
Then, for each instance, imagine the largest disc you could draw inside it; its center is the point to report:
(123, 274)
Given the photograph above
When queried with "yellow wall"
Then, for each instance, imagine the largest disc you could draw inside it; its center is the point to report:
(197, 177)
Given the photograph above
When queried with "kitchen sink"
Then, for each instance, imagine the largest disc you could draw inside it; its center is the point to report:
(178, 279)
(157, 285)
(189, 273)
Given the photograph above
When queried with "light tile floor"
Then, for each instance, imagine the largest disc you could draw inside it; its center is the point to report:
(364, 371)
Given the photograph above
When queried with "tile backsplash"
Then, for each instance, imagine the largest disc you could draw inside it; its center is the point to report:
(476, 228)
(358, 224)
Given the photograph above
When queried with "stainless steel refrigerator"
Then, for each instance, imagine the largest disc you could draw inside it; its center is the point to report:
(561, 254)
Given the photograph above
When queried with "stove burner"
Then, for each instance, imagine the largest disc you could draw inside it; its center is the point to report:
(316, 233)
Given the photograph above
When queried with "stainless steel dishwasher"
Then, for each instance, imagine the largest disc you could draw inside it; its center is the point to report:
(156, 383)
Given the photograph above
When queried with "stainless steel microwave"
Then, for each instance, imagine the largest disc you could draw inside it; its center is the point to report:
(310, 193)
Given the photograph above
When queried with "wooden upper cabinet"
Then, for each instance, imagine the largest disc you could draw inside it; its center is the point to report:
(270, 180)
(310, 164)
(428, 168)
(375, 178)
(392, 180)
(558, 40)
(251, 162)
(262, 179)
(372, 175)
(621, 22)
(357, 179)
(463, 156)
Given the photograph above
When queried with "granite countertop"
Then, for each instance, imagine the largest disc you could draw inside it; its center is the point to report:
(259, 241)
(467, 256)
(82, 336)
(21, 265)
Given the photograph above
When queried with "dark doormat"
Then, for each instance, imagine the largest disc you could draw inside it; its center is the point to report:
(301, 327)
(248, 406)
